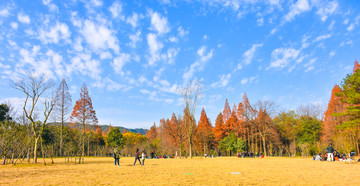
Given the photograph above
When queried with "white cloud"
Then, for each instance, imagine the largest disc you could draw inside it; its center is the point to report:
(159, 23)
(82, 63)
(249, 54)
(120, 61)
(205, 37)
(154, 48)
(173, 39)
(99, 36)
(55, 34)
(170, 55)
(353, 24)
(105, 55)
(282, 56)
(260, 21)
(350, 42)
(327, 9)
(182, 32)
(223, 82)
(14, 25)
(116, 10)
(331, 26)
(309, 68)
(199, 64)
(23, 18)
(110, 85)
(56, 60)
(322, 37)
(134, 39)
(51, 6)
(346, 21)
(248, 80)
(332, 53)
(4, 12)
(273, 31)
(297, 8)
(133, 20)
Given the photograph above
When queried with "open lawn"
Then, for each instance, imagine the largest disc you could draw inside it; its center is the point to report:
(196, 171)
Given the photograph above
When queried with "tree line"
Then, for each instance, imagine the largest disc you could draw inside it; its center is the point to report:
(260, 128)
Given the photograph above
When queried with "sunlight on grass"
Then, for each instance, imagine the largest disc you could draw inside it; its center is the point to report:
(201, 171)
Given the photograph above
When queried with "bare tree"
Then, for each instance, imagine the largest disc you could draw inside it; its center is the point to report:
(263, 122)
(312, 110)
(34, 86)
(62, 108)
(190, 92)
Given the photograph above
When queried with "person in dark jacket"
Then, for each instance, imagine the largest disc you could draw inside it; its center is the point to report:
(329, 150)
(116, 156)
(137, 156)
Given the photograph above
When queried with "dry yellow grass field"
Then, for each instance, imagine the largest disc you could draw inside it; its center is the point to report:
(196, 171)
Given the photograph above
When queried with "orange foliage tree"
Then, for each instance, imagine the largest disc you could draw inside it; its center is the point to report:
(218, 129)
(204, 132)
(330, 122)
(226, 111)
(83, 114)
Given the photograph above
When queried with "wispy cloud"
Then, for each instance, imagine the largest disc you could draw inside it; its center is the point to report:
(155, 47)
(249, 54)
(296, 9)
(199, 64)
(159, 23)
(327, 9)
(23, 18)
(223, 82)
(281, 57)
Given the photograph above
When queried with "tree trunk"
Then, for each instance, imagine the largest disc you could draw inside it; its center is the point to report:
(42, 151)
(264, 145)
(28, 155)
(35, 149)
(88, 146)
(4, 162)
(190, 154)
(61, 137)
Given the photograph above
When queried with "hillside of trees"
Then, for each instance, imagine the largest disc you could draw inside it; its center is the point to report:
(260, 127)
(106, 128)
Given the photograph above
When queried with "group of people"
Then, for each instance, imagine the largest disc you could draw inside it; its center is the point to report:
(332, 155)
(249, 155)
(117, 156)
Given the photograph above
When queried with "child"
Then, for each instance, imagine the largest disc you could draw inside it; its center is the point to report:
(143, 156)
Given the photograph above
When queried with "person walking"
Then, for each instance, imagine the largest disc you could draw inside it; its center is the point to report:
(143, 156)
(329, 150)
(137, 156)
(116, 156)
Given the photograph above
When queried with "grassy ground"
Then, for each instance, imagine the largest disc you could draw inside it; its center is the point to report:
(196, 171)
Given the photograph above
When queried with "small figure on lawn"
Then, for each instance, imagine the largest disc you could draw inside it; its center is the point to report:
(329, 150)
(143, 156)
(116, 156)
(137, 156)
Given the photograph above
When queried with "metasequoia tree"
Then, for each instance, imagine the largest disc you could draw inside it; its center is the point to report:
(218, 129)
(34, 86)
(83, 114)
(330, 122)
(226, 111)
(248, 115)
(190, 92)
(62, 108)
(204, 131)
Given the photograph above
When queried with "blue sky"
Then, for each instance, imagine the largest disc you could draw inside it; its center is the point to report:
(134, 55)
